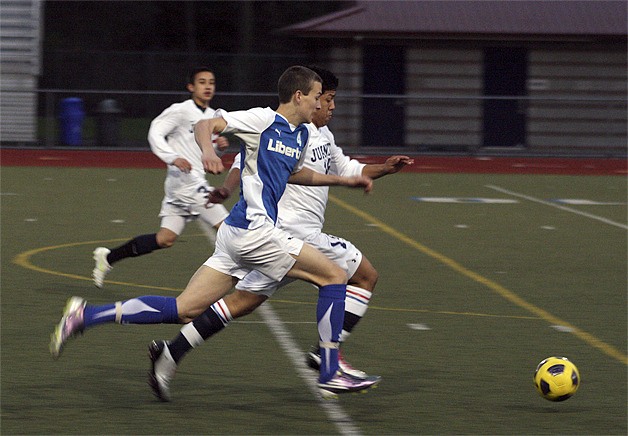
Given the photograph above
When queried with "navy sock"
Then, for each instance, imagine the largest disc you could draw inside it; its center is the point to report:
(149, 309)
(137, 246)
(330, 312)
(205, 325)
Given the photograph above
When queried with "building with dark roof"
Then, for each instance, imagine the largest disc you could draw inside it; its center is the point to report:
(531, 76)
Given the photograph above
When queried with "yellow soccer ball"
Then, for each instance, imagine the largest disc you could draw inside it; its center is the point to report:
(556, 378)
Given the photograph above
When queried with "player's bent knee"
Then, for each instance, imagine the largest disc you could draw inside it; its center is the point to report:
(187, 312)
(242, 303)
(365, 277)
(371, 280)
(166, 238)
(167, 242)
(334, 276)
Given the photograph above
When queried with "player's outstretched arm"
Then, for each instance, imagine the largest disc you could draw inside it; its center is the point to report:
(392, 165)
(203, 131)
(231, 183)
(311, 178)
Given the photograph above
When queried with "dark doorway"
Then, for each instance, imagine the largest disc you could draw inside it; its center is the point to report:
(383, 118)
(505, 74)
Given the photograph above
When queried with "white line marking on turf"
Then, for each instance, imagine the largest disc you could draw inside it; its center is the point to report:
(465, 200)
(264, 322)
(562, 328)
(584, 202)
(343, 422)
(558, 206)
(419, 326)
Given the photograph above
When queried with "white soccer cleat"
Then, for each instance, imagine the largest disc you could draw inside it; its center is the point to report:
(71, 325)
(342, 383)
(162, 371)
(102, 266)
(314, 361)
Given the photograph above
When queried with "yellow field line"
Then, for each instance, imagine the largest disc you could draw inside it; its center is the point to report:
(440, 312)
(23, 260)
(499, 289)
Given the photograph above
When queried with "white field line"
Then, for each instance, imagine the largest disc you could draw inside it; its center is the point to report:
(558, 206)
(343, 422)
(264, 322)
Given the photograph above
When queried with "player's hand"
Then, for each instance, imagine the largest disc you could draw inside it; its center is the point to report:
(212, 164)
(360, 182)
(222, 143)
(182, 164)
(217, 196)
(395, 163)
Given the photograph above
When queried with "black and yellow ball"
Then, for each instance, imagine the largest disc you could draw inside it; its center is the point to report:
(556, 378)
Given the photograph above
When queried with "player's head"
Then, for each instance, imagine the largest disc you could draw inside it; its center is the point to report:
(294, 79)
(202, 85)
(330, 84)
(300, 88)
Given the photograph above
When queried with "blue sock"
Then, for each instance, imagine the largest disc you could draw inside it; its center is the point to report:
(149, 309)
(330, 313)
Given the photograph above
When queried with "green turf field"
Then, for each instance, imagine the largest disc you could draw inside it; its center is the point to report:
(472, 295)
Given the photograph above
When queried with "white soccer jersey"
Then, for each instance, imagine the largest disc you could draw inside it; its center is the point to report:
(302, 208)
(171, 135)
(273, 150)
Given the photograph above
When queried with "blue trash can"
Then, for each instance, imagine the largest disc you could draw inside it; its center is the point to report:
(71, 116)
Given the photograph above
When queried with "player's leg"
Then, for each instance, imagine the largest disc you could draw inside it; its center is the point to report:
(359, 292)
(315, 267)
(171, 228)
(311, 265)
(213, 320)
(209, 231)
(78, 316)
(363, 278)
(210, 218)
(165, 356)
(205, 287)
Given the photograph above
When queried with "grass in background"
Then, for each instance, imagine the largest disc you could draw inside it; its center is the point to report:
(456, 355)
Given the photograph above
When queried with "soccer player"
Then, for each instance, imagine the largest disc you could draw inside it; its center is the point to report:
(302, 214)
(272, 154)
(171, 138)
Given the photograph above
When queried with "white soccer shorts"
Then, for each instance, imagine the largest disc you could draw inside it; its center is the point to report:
(176, 214)
(266, 249)
(340, 251)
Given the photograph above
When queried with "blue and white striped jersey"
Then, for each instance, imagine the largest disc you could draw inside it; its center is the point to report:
(272, 151)
(302, 208)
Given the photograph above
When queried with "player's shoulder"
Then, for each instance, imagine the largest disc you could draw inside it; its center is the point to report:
(313, 133)
(264, 114)
(179, 108)
(182, 105)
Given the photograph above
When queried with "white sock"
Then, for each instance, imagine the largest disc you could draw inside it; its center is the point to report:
(356, 303)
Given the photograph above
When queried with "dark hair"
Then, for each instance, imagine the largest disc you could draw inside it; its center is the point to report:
(330, 81)
(296, 78)
(197, 70)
